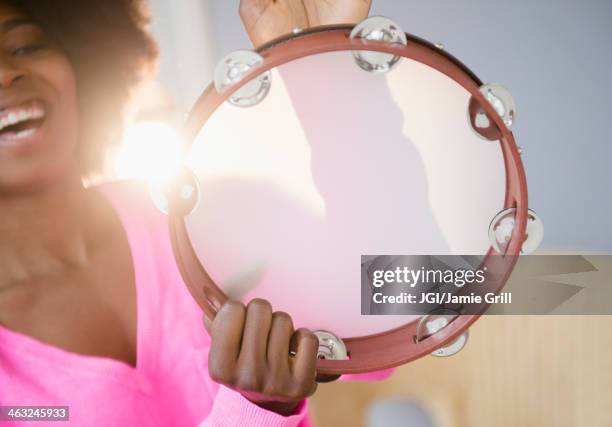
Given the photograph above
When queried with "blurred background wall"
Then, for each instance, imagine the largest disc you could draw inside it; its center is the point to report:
(515, 371)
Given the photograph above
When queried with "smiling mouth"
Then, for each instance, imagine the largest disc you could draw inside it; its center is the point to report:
(22, 121)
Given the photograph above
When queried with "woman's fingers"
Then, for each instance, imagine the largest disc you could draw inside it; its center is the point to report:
(255, 335)
(250, 351)
(304, 366)
(226, 332)
(281, 332)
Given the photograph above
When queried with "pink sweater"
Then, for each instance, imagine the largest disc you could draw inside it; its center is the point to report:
(170, 385)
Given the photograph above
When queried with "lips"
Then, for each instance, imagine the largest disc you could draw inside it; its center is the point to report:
(20, 123)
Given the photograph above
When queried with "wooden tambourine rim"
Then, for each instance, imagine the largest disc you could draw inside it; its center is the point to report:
(399, 345)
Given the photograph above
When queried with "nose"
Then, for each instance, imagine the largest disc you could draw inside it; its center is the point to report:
(9, 72)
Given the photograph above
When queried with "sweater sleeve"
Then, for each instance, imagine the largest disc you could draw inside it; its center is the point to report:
(231, 409)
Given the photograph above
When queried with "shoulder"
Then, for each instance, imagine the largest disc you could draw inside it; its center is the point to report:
(143, 222)
(157, 273)
(145, 226)
(130, 197)
(146, 229)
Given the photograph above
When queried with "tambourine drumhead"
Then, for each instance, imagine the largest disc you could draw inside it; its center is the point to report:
(333, 164)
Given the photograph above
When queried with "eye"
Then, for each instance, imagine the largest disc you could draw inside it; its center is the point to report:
(27, 49)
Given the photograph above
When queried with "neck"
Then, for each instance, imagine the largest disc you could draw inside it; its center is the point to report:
(44, 232)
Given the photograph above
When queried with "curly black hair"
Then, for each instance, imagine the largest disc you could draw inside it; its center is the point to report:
(110, 50)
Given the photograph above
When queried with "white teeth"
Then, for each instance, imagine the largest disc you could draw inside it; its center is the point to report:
(17, 116)
(25, 134)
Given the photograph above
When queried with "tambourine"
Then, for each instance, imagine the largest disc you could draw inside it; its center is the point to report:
(337, 142)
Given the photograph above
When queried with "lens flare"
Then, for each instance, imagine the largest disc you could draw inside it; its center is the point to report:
(150, 151)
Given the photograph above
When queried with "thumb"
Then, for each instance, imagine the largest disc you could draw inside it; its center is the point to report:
(207, 324)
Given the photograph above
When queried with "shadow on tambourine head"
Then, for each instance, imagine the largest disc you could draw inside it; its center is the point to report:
(333, 164)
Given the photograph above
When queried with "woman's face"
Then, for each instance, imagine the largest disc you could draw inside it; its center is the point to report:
(38, 107)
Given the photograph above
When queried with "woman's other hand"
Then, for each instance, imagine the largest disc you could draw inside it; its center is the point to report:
(250, 352)
(265, 20)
